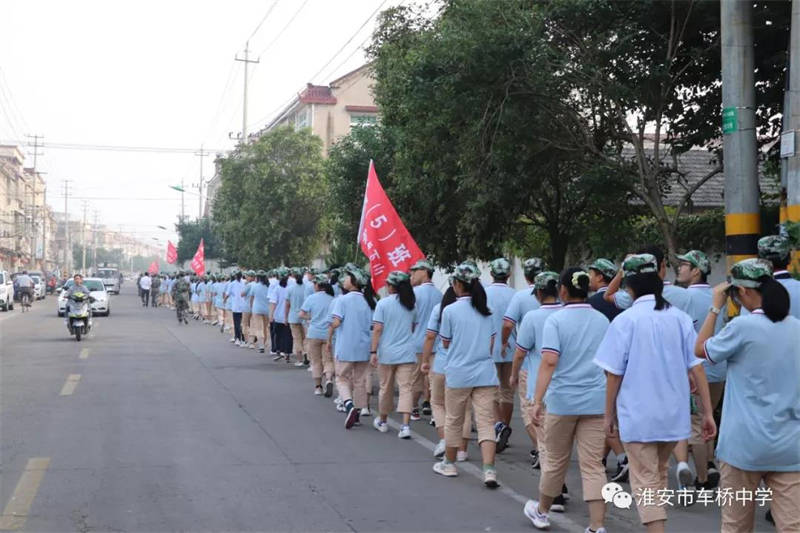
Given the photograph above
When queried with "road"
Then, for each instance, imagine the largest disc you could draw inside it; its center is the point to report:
(148, 425)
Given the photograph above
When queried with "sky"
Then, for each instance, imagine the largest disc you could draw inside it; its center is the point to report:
(158, 74)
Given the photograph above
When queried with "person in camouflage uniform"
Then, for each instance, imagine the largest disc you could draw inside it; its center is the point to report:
(180, 295)
(155, 290)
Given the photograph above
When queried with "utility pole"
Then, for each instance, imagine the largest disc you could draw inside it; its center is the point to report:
(202, 153)
(35, 142)
(246, 60)
(67, 248)
(789, 142)
(183, 204)
(94, 239)
(83, 238)
(742, 215)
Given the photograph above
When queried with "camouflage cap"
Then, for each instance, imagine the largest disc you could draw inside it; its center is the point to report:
(605, 266)
(261, 272)
(774, 247)
(359, 276)
(697, 259)
(748, 272)
(282, 272)
(466, 272)
(544, 278)
(298, 271)
(500, 267)
(396, 277)
(532, 266)
(251, 273)
(315, 271)
(640, 264)
(422, 264)
(321, 278)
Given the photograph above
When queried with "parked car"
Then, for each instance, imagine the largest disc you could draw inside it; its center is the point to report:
(39, 289)
(6, 291)
(101, 306)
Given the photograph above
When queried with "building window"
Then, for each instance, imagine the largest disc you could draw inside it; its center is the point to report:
(361, 119)
(302, 119)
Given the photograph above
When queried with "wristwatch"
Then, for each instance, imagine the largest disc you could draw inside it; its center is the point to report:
(715, 310)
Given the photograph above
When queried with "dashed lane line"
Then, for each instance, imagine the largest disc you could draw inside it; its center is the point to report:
(70, 384)
(16, 512)
(84, 354)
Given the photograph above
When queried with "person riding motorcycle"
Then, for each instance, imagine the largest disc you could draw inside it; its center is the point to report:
(181, 295)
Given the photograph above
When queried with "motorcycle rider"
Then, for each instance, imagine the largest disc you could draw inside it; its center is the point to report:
(77, 287)
(25, 285)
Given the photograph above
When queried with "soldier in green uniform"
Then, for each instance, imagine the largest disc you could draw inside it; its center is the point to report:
(180, 295)
(155, 290)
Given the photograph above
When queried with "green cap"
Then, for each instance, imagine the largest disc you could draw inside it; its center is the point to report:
(532, 266)
(321, 278)
(359, 276)
(261, 272)
(396, 277)
(282, 272)
(500, 267)
(466, 272)
(774, 247)
(422, 264)
(297, 271)
(640, 264)
(544, 278)
(604, 266)
(697, 259)
(748, 272)
(251, 273)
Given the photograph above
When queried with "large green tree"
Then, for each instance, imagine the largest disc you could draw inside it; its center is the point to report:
(270, 204)
(190, 234)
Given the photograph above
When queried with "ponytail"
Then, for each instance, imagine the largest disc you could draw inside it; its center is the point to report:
(579, 287)
(326, 288)
(774, 299)
(648, 283)
(448, 298)
(406, 295)
(479, 301)
(369, 294)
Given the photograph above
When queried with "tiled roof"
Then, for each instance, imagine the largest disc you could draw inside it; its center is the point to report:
(317, 94)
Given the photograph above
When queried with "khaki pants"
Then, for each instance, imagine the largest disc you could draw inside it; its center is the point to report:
(259, 327)
(560, 432)
(350, 376)
(229, 318)
(648, 463)
(298, 340)
(738, 516)
(438, 406)
(321, 362)
(715, 390)
(220, 315)
(246, 326)
(404, 375)
(418, 377)
(455, 402)
(505, 394)
(524, 403)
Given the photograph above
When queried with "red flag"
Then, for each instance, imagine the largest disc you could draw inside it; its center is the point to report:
(383, 238)
(172, 253)
(153, 268)
(199, 260)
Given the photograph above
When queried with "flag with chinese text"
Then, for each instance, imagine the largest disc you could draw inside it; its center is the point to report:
(153, 268)
(172, 253)
(382, 236)
(199, 260)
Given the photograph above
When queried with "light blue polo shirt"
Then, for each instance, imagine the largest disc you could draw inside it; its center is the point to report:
(337, 290)
(469, 357)
(235, 290)
(353, 335)
(278, 297)
(793, 288)
(529, 338)
(318, 307)
(699, 302)
(427, 296)
(218, 287)
(193, 288)
(522, 302)
(296, 296)
(308, 287)
(653, 352)
(676, 296)
(498, 297)
(760, 428)
(396, 345)
(439, 351)
(260, 300)
(578, 386)
(229, 299)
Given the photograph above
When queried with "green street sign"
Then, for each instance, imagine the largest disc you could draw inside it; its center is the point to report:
(177, 188)
(730, 120)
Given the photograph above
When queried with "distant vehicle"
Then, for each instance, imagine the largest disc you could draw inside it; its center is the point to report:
(39, 289)
(110, 277)
(101, 304)
(6, 291)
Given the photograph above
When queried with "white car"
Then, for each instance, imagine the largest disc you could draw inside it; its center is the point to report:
(101, 306)
(39, 287)
(6, 291)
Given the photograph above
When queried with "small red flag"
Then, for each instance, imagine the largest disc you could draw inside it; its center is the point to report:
(199, 260)
(383, 238)
(153, 268)
(172, 253)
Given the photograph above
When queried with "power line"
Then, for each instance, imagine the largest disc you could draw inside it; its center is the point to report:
(274, 3)
(283, 29)
(113, 148)
(5, 88)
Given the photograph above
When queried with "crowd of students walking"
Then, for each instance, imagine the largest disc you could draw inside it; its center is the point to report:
(602, 358)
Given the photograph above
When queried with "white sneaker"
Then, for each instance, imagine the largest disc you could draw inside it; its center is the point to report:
(404, 433)
(539, 520)
(684, 475)
(298, 364)
(309, 369)
(337, 400)
(365, 411)
(601, 530)
(441, 447)
(238, 343)
(317, 391)
(340, 408)
(233, 339)
(445, 469)
(461, 456)
(251, 346)
(490, 478)
(378, 424)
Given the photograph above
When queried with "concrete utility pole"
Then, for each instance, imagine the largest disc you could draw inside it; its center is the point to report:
(742, 215)
(83, 238)
(246, 60)
(67, 248)
(202, 153)
(94, 239)
(36, 144)
(183, 204)
(789, 141)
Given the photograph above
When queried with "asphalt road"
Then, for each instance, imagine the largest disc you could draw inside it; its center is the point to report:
(148, 425)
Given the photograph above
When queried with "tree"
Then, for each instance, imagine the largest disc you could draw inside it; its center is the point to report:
(270, 204)
(190, 233)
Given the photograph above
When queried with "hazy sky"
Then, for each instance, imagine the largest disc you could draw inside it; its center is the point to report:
(158, 74)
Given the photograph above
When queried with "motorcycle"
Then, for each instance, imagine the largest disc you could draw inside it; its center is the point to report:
(79, 314)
